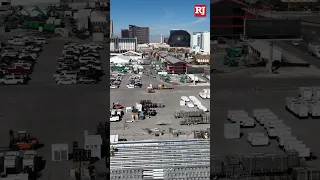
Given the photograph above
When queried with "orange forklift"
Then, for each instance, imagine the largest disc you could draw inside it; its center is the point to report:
(23, 141)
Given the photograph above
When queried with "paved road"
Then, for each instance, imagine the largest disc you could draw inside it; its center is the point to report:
(301, 52)
(240, 83)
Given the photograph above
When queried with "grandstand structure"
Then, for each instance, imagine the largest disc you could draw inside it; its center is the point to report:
(161, 159)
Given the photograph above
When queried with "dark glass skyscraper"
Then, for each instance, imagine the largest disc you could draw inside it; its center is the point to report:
(124, 33)
(141, 33)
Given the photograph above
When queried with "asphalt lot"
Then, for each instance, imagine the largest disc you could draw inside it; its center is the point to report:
(170, 98)
(53, 113)
(243, 94)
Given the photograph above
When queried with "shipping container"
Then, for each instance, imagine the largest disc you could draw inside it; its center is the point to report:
(254, 134)
(282, 140)
(293, 158)
(232, 130)
(314, 110)
(260, 141)
(182, 113)
(303, 151)
(273, 123)
(305, 92)
(300, 173)
(255, 112)
(185, 98)
(236, 112)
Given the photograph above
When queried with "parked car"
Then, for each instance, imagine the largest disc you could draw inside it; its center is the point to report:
(66, 81)
(87, 80)
(11, 80)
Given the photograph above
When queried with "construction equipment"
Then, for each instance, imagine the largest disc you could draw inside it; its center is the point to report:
(201, 134)
(23, 141)
(162, 86)
(232, 58)
(29, 161)
(159, 87)
(150, 90)
(117, 106)
(12, 163)
(163, 123)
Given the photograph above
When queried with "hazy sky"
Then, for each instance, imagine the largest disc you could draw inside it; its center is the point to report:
(159, 15)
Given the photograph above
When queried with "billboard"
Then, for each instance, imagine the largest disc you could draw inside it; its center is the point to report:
(272, 28)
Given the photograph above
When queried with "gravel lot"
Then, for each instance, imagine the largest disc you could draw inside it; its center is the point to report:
(170, 98)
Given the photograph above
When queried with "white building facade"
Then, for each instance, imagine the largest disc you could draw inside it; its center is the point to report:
(200, 42)
(123, 44)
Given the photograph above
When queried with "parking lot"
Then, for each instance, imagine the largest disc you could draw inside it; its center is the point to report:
(51, 112)
(170, 98)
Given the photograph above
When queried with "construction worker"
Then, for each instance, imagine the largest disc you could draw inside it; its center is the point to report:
(111, 150)
(11, 133)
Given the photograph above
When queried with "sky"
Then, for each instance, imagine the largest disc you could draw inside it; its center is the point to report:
(159, 15)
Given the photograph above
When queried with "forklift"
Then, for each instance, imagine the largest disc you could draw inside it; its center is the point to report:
(23, 141)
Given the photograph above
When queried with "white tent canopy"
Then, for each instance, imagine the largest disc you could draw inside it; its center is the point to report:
(120, 59)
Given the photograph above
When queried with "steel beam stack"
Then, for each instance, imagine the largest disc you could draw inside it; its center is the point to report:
(147, 159)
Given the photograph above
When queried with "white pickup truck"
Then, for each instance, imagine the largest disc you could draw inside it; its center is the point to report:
(11, 80)
(90, 66)
(16, 42)
(68, 74)
(92, 45)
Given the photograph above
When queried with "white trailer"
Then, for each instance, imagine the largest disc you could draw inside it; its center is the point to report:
(294, 146)
(314, 109)
(266, 119)
(290, 143)
(282, 126)
(283, 140)
(264, 116)
(203, 108)
(305, 92)
(251, 135)
(316, 92)
(29, 161)
(194, 100)
(232, 113)
(185, 98)
(273, 123)
(203, 95)
(244, 121)
(255, 112)
(300, 109)
(279, 132)
(260, 141)
(231, 131)
(314, 49)
(303, 151)
(190, 104)
(182, 103)
(114, 118)
(11, 162)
